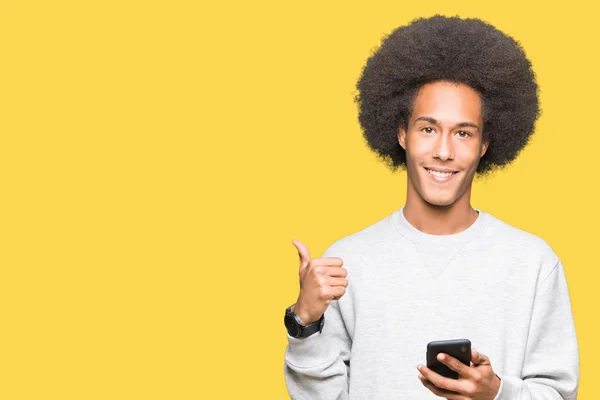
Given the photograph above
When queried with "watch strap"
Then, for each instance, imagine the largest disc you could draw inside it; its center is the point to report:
(315, 327)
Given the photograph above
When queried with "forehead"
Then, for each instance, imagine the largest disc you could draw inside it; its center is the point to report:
(448, 102)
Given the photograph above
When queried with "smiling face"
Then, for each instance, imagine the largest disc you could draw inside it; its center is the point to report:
(443, 143)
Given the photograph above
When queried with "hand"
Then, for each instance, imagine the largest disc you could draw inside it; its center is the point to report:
(475, 382)
(321, 281)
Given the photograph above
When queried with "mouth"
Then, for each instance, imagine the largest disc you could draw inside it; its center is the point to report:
(441, 176)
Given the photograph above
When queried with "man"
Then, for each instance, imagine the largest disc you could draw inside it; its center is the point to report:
(445, 98)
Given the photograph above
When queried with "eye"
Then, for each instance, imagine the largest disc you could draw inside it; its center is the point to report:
(427, 129)
(463, 134)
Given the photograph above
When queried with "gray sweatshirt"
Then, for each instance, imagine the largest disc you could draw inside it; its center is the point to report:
(500, 287)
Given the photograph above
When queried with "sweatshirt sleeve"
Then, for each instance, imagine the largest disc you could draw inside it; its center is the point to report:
(317, 367)
(551, 365)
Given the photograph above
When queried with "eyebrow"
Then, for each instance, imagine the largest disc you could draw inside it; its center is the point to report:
(459, 125)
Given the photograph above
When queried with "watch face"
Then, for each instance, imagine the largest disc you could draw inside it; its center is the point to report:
(291, 325)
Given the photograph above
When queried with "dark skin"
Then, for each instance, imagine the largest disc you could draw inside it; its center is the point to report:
(444, 142)
(445, 132)
(475, 382)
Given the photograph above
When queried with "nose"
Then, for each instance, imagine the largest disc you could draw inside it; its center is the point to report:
(443, 148)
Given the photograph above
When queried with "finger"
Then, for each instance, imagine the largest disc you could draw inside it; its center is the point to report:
(334, 262)
(338, 282)
(440, 381)
(455, 365)
(303, 253)
(437, 391)
(335, 272)
(337, 292)
(323, 270)
(478, 358)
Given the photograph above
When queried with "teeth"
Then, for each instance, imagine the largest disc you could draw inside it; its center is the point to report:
(439, 174)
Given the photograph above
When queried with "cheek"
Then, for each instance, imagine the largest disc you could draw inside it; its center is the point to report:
(468, 156)
(417, 149)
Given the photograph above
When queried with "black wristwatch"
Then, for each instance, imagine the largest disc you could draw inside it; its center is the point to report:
(296, 327)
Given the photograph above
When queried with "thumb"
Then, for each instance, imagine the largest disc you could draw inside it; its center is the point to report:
(303, 253)
(477, 358)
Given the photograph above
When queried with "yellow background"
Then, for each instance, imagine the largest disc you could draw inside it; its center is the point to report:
(158, 158)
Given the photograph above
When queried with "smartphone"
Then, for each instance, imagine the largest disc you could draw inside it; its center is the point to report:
(457, 348)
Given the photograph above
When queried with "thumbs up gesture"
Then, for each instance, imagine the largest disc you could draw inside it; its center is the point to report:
(321, 281)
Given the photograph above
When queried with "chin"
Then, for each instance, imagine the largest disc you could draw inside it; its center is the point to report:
(439, 201)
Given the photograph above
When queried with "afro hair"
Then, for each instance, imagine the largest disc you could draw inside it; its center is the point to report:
(468, 51)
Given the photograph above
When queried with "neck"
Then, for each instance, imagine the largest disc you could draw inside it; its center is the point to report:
(439, 220)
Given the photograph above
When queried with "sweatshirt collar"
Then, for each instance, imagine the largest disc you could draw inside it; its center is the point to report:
(413, 234)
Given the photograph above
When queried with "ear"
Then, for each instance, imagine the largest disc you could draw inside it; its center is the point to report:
(484, 146)
(402, 137)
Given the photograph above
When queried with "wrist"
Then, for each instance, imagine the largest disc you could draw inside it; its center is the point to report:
(297, 328)
(301, 313)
